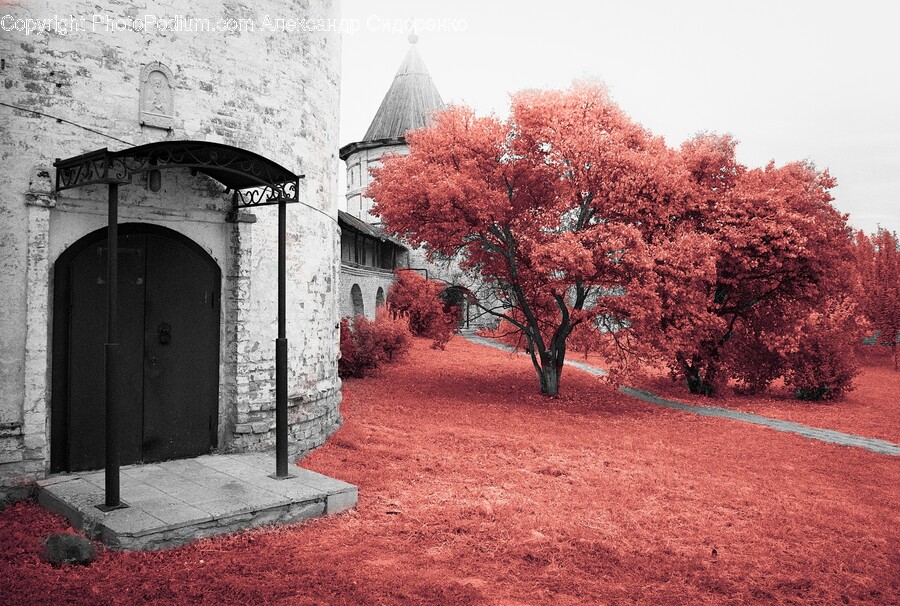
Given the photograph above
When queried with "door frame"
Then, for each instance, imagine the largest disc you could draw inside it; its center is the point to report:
(59, 368)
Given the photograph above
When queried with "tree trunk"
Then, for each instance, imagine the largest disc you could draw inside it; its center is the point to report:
(549, 376)
(700, 387)
(548, 365)
(697, 383)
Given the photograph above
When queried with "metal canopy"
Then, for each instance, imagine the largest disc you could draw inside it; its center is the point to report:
(256, 180)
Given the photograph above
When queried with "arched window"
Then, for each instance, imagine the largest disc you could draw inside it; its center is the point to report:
(357, 300)
(379, 297)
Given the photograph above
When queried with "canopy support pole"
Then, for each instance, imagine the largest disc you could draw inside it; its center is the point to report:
(281, 349)
(111, 469)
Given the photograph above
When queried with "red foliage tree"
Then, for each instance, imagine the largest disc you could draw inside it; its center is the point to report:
(418, 299)
(554, 205)
(776, 245)
(878, 263)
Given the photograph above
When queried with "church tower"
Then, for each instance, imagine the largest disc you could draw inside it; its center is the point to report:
(408, 104)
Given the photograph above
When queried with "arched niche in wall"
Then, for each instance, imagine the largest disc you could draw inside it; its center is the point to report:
(357, 299)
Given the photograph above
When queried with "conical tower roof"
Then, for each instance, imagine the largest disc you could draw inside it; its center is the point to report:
(409, 101)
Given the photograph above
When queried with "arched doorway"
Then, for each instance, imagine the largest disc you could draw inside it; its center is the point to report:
(457, 297)
(169, 290)
(379, 297)
(357, 299)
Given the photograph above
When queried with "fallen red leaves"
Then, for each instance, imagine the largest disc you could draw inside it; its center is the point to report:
(476, 490)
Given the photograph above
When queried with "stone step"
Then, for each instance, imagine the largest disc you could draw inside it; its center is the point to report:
(175, 502)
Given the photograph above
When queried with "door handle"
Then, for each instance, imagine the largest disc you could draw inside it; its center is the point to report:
(165, 333)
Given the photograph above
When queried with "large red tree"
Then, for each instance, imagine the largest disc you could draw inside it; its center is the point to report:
(777, 248)
(553, 206)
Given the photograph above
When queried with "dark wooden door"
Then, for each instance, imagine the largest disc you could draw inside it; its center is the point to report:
(169, 341)
(181, 344)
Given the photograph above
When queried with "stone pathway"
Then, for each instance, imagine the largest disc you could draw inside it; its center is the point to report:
(813, 433)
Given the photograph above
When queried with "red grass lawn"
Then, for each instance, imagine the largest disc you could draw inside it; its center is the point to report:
(475, 490)
(871, 410)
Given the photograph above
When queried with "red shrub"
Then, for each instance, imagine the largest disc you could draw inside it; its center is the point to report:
(368, 343)
(419, 301)
(820, 364)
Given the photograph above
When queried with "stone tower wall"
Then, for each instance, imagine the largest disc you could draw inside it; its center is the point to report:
(358, 164)
(75, 86)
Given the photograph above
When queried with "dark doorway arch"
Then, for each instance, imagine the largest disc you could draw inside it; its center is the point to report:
(379, 297)
(356, 298)
(169, 291)
(457, 297)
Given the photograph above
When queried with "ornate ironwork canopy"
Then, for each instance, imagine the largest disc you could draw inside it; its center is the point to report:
(256, 180)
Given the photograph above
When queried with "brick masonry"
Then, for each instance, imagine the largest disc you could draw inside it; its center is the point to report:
(271, 92)
(358, 166)
(369, 280)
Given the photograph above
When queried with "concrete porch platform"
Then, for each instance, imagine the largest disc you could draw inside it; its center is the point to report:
(175, 502)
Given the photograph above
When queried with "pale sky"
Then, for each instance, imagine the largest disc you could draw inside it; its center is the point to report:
(791, 80)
